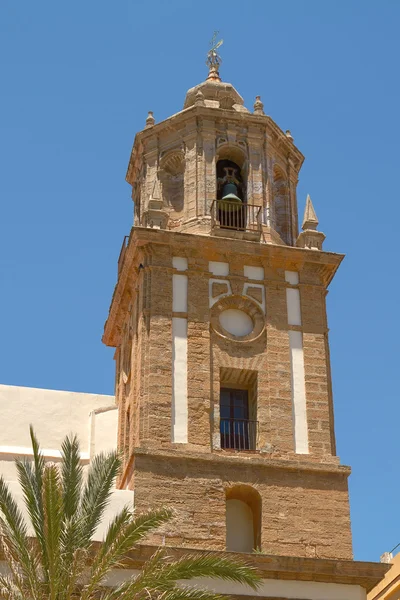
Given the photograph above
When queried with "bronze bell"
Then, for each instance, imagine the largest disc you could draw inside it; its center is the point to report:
(229, 193)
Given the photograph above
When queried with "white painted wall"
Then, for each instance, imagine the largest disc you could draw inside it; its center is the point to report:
(300, 427)
(179, 381)
(239, 527)
(104, 430)
(282, 588)
(55, 414)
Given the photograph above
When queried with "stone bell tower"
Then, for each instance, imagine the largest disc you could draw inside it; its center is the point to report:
(219, 322)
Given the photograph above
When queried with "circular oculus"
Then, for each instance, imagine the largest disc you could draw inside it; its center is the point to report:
(236, 322)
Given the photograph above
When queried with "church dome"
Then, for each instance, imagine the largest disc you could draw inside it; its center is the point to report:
(215, 94)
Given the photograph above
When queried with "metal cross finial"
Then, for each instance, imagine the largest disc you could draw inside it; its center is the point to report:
(213, 58)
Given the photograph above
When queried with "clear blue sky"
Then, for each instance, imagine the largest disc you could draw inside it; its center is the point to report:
(77, 80)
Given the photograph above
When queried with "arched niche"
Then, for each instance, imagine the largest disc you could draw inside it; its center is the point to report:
(232, 157)
(171, 175)
(281, 204)
(243, 519)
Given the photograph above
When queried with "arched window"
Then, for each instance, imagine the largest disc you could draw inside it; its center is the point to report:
(243, 519)
(281, 205)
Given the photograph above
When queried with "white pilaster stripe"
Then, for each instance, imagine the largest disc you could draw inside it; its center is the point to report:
(218, 268)
(179, 293)
(293, 306)
(300, 428)
(180, 263)
(256, 273)
(179, 381)
(299, 405)
(179, 405)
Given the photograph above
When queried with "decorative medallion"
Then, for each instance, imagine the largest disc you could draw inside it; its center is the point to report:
(237, 318)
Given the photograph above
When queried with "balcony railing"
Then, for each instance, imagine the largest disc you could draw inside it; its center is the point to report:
(238, 434)
(235, 216)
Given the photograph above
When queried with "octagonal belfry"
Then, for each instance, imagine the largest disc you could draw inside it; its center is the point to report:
(219, 323)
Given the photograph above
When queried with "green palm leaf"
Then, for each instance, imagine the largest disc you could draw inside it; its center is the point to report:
(97, 491)
(63, 563)
(123, 533)
(71, 473)
(53, 515)
(14, 536)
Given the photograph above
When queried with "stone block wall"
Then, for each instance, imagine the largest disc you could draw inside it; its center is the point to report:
(304, 512)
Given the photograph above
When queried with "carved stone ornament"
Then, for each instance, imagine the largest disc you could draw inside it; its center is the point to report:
(238, 319)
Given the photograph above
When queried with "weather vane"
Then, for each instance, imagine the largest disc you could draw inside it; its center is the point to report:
(213, 58)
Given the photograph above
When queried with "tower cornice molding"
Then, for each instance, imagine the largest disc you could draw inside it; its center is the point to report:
(144, 240)
(265, 123)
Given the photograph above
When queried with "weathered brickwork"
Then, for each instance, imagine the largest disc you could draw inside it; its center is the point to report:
(304, 513)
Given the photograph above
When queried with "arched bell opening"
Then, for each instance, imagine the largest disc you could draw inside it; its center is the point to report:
(243, 519)
(231, 195)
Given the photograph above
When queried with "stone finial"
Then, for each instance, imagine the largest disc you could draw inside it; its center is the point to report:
(289, 135)
(199, 98)
(150, 121)
(310, 220)
(310, 238)
(258, 106)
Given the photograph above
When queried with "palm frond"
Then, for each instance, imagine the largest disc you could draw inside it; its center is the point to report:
(123, 533)
(23, 583)
(8, 589)
(97, 491)
(14, 535)
(134, 586)
(33, 500)
(30, 476)
(200, 565)
(71, 475)
(53, 513)
(72, 574)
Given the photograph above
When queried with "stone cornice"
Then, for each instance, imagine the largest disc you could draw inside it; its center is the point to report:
(275, 256)
(297, 462)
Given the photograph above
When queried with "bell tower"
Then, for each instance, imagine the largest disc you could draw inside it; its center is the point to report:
(219, 323)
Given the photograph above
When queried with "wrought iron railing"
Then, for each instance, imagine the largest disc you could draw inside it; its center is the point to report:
(238, 216)
(238, 434)
(122, 253)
